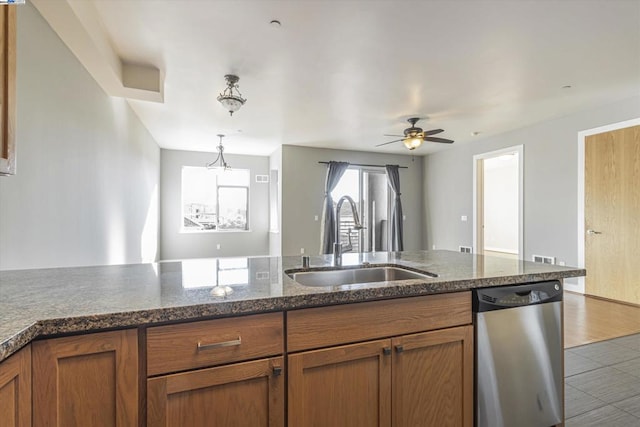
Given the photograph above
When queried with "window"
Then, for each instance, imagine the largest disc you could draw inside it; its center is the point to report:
(213, 200)
(368, 187)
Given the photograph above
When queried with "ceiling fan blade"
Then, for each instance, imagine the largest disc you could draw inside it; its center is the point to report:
(444, 141)
(433, 132)
(399, 136)
(390, 142)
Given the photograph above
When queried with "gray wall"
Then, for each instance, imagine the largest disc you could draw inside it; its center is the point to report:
(177, 245)
(550, 183)
(87, 178)
(303, 190)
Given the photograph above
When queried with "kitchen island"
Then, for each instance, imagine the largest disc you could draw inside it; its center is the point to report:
(170, 338)
(56, 301)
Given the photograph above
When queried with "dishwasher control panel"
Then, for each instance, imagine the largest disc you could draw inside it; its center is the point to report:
(500, 297)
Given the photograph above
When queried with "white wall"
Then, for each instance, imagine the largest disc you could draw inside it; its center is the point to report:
(303, 180)
(501, 203)
(275, 241)
(177, 245)
(86, 189)
(550, 183)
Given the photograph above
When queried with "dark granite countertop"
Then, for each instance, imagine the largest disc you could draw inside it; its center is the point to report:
(64, 300)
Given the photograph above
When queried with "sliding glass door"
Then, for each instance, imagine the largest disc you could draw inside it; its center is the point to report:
(369, 189)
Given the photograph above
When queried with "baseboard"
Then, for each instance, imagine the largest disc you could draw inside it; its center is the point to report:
(630, 304)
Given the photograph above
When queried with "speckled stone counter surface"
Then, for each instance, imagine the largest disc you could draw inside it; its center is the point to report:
(47, 302)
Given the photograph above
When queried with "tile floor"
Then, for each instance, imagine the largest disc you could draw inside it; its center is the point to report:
(602, 383)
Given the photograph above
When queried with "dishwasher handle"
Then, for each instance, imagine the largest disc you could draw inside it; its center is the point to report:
(503, 297)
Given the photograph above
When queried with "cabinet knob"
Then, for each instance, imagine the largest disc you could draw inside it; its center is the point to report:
(399, 349)
(277, 370)
(386, 351)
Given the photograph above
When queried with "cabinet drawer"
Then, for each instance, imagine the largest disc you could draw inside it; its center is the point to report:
(174, 348)
(341, 324)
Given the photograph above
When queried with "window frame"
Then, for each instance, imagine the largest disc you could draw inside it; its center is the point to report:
(218, 187)
(184, 230)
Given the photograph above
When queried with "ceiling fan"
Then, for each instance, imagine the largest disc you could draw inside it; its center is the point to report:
(414, 136)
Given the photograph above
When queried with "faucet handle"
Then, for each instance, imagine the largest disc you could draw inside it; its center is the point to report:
(306, 261)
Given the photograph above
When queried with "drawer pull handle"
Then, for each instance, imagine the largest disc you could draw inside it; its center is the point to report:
(399, 349)
(231, 343)
(386, 351)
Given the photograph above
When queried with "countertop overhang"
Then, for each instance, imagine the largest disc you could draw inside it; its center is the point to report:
(54, 301)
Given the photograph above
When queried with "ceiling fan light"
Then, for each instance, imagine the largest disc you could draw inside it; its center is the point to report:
(412, 143)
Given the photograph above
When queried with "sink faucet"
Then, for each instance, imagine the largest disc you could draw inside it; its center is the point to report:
(337, 246)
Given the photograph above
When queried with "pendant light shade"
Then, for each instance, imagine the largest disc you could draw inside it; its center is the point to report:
(231, 98)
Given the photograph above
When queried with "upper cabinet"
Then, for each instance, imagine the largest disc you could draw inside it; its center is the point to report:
(7, 89)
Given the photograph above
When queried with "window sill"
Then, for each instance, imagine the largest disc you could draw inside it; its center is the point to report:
(212, 231)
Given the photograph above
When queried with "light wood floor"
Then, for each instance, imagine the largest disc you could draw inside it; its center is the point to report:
(588, 320)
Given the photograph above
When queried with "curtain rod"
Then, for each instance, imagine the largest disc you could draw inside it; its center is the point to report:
(368, 166)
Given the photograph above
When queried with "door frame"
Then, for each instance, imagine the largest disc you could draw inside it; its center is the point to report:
(381, 171)
(478, 196)
(582, 136)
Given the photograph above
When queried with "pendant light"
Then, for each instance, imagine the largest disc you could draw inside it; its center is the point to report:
(220, 164)
(231, 98)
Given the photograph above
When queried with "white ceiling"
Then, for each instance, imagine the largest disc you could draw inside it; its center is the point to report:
(340, 74)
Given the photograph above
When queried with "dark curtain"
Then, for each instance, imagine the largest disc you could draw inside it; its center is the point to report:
(335, 170)
(397, 240)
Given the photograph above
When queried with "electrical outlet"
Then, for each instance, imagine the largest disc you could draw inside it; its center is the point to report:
(301, 250)
(433, 247)
(463, 218)
(315, 218)
(404, 217)
(218, 246)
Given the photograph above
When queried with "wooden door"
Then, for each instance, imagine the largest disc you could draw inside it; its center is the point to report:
(7, 89)
(15, 390)
(612, 214)
(433, 378)
(347, 386)
(237, 395)
(86, 380)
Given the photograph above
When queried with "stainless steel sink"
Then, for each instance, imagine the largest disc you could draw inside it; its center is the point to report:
(349, 276)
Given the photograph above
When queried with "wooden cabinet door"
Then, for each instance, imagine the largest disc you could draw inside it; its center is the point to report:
(433, 378)
(347, 386)
(237, 395)
(86, 380)
(15, 390)
(7, 89)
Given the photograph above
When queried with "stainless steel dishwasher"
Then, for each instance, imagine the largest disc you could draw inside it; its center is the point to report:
(519, 355)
